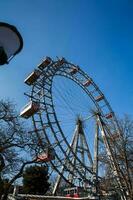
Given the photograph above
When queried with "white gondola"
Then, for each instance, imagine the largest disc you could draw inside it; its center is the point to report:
(32, 77)
(30, 109)
(47, 61)
(109, 116)
(47, 155)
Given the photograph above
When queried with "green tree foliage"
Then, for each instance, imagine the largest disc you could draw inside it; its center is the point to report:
(4, 184)
(35, 180)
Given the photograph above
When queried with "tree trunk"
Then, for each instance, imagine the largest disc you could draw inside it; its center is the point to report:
(6, 192)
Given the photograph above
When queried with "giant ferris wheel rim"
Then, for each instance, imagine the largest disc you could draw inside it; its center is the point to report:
(50, 72)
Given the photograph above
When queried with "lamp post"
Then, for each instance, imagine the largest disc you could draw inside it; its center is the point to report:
(11, 42)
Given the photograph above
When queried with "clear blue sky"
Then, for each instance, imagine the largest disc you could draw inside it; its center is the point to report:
(96, 35)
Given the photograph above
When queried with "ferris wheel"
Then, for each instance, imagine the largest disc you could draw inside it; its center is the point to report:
(74, 120)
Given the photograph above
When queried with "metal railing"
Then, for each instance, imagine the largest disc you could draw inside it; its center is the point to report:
(39, 197)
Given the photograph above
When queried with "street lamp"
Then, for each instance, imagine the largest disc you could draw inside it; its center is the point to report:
(11, 42)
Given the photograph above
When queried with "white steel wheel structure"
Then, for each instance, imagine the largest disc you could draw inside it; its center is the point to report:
(71, 114)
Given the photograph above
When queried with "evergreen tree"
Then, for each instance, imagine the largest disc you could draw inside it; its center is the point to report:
(35, 180)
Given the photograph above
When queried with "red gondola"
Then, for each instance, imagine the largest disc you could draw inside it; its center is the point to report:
(47, 155)
(32, 77)
(87, 83)
(47, 61)
(74, 70)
